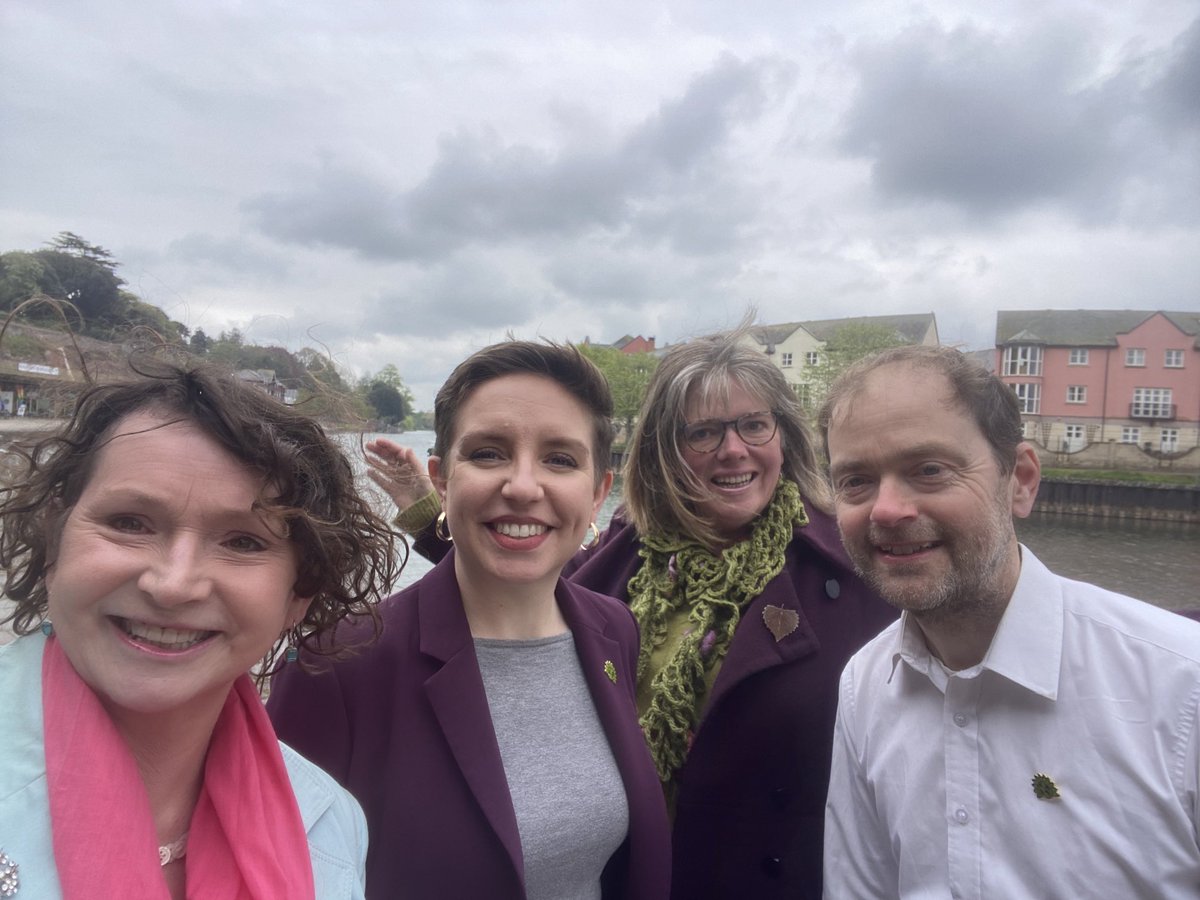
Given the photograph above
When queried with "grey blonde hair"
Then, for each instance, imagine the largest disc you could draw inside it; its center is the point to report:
(661, 490)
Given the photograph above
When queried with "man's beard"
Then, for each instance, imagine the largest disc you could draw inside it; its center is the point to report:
(968, 588)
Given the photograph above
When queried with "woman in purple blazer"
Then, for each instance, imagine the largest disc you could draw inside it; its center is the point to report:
(749, 609)
(491, 733)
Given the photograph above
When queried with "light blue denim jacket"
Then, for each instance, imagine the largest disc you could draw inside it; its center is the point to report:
(337, 830)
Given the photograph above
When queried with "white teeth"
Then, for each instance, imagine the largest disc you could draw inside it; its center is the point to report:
(733, 481)
(904, 551)
(510, 529)
(163, 638)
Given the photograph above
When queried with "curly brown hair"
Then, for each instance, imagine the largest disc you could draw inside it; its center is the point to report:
(346, 552)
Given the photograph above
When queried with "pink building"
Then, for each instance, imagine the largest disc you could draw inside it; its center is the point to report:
(1087, 376)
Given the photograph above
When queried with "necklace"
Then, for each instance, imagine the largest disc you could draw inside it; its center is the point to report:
(177, 849)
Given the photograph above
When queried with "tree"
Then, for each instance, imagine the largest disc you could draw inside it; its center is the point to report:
(846, 345)
(388, 376)
(21, 276)
(387, 401)
(73, 245)
(93, 288)
(628, 376)
(200, 342)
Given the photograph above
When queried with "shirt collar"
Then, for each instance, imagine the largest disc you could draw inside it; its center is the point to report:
(1027, 647)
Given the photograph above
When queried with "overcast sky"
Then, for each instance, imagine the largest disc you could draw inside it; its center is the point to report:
(407, 182)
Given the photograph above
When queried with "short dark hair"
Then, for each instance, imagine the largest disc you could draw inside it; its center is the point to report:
(561, 363)
(346, 558)
(661, 491)
(979, 393)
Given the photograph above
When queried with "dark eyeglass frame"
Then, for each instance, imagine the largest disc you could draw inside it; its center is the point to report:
(736, 425)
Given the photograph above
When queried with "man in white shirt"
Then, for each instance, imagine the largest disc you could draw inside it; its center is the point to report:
(1015, 734)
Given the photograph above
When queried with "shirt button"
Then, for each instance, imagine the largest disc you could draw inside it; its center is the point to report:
(960, 720)
(832, 589)
(772, 866)
(961, 817)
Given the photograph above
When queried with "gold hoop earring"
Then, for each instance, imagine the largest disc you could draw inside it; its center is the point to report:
(441, 529)
(593, 539)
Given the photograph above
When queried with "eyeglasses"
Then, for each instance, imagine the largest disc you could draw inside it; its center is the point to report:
(754, 428)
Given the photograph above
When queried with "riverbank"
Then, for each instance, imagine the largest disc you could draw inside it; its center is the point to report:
(16, 427)
(1117, 500)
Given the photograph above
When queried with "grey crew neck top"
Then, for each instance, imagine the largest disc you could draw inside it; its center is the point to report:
(566, 790)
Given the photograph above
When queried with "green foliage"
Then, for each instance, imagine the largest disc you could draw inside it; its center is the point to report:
(73, 245)
(847, 345)
(200, 342)
(21, 276)
(389, 404)
(139, 313)
(418, 421)
(386, 393)
(628, 376)
(21, 346)
(71, 270)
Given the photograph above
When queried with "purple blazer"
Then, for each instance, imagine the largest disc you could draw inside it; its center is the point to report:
(405, 727)
(749, 820)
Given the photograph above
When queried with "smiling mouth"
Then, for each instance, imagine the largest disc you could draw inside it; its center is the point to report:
(525, 530)
(162, 638)
(907, 550)
(733, 481)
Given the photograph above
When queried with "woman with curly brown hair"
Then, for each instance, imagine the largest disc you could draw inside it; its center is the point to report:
(176, 532)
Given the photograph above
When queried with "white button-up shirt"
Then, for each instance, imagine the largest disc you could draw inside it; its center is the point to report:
(932, 790)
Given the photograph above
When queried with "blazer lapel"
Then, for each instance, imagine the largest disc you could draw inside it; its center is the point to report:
(455, 692)
(755, 645)
(612, 694)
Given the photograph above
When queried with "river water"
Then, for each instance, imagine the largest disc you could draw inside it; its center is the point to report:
(1156, 561)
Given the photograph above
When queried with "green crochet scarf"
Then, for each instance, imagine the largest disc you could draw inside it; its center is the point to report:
(678, 572)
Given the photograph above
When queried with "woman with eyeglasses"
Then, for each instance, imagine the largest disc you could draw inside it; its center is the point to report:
(729, 557)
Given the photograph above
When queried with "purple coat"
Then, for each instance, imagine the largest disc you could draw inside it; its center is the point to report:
(750, 814)
(405, 727)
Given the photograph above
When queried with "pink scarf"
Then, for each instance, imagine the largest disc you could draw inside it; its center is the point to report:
(246, 840)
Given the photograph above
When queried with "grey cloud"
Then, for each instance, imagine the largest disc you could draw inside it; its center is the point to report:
(453, 298)
(226, 257)
(993, 125)
(482, 191)
(1179, 88)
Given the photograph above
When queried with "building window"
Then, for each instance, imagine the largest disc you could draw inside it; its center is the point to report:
(1078, 357)
(1152, 403)
(1022, 360)
(1169, 441)
(786, 360)
(1029, 396)
(1074, 439)
(812, 358)
(1130, 435)
(1029, 429)
(1077, 393)
(803, 394)
(1173, 359)
(1135, 356)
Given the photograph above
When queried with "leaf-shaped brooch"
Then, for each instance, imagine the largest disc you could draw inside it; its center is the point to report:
(780, 621)
(1044, 787)
(610, 670)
